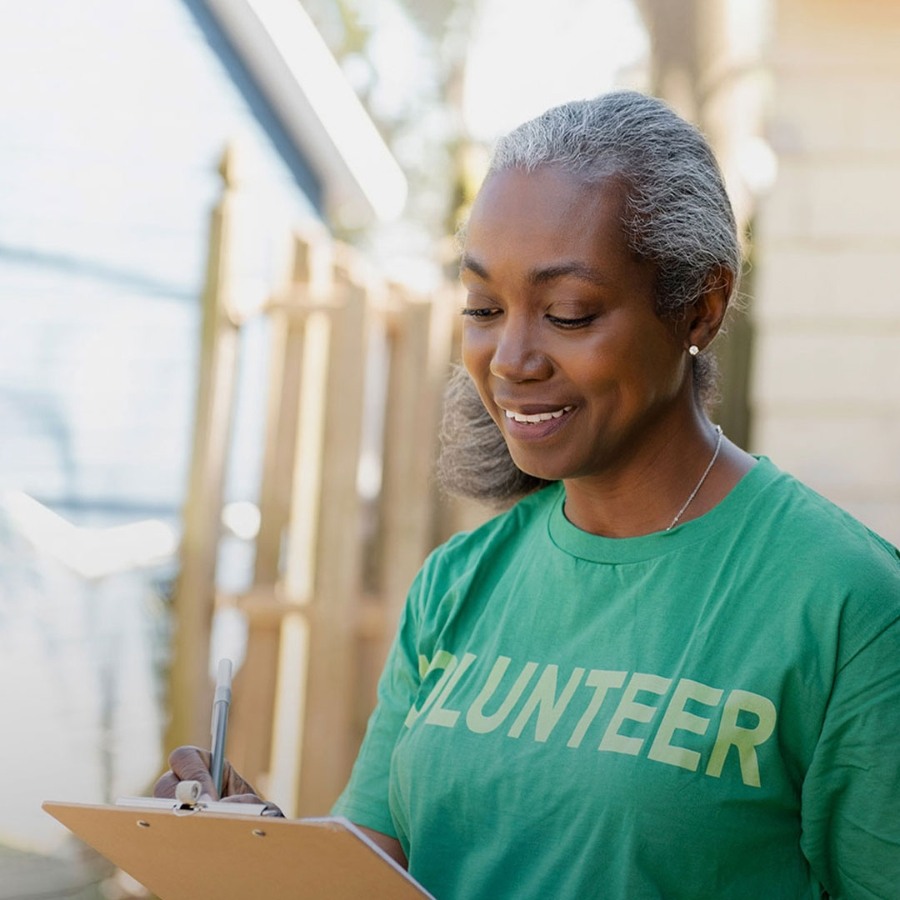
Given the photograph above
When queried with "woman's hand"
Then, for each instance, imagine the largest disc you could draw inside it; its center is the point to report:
(192, 764)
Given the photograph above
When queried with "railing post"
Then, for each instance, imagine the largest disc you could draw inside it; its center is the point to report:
(419, 342)
(195, 587)
(327, 749)
(265, 606)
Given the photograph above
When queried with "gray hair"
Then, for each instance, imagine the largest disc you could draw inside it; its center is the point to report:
(677, 215)
(474, 460)
(677, 212)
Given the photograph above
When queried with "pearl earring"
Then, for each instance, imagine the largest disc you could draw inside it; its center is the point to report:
(693, 349)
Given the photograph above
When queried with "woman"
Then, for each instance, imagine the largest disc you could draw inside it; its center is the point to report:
(669, 670)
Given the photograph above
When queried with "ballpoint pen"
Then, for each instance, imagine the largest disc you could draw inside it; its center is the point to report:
(219, 725)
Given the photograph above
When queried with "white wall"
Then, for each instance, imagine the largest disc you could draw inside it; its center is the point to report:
(114, 117)
(826, 386)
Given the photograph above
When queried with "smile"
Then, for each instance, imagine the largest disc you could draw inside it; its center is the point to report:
(537, 417)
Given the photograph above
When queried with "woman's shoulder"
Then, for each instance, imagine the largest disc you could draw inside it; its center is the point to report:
(824, 528)
(815, 548)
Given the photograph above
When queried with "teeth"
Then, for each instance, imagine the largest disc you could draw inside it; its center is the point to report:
(538, 417)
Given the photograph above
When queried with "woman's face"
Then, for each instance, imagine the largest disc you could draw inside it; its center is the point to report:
(560, 333)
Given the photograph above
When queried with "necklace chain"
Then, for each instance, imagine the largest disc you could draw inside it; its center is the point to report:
(699, 485)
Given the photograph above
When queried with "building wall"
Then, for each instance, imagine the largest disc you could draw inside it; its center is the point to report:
(114, 117)
(826, 370)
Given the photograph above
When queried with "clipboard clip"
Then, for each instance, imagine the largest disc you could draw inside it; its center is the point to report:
(187, 802)
(187, 798)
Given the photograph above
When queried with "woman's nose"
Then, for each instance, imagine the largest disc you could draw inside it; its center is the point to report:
(518, 355)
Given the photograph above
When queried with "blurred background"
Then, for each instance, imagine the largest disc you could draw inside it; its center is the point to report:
(227, 298)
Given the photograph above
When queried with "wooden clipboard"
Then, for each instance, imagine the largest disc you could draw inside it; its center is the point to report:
(204, 854)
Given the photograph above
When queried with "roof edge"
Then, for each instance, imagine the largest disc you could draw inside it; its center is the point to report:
(287, 57)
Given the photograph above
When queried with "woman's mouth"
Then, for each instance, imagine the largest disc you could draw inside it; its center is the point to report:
(536, 418)
(534, 427)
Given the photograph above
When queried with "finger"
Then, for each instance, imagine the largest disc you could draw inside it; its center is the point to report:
(165, 785)
(242, 798)
(192, 764)
(234, 784)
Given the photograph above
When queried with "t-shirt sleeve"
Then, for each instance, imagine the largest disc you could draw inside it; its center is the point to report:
(365, 799)
(851, 793)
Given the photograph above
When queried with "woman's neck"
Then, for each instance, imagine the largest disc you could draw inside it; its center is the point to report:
(665, 484)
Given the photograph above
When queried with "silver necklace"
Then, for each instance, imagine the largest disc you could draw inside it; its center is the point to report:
(706, 472)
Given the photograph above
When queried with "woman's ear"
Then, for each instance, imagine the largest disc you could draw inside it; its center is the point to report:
(705, 316)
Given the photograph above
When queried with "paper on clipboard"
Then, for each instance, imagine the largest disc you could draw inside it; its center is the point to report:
(203, 854)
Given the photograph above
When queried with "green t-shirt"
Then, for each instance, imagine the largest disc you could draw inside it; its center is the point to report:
(710, 712)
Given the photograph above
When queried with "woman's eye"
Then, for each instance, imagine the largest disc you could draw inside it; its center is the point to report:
(578, 322)
(484, 312)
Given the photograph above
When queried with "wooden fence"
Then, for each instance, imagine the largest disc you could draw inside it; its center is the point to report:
(351, 357)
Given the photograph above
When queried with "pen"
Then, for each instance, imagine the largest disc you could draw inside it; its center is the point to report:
(219, 726)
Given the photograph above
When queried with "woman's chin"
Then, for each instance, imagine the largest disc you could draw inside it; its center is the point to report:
(538, 468)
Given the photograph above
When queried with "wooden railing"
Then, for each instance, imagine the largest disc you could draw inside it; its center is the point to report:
(351, 355)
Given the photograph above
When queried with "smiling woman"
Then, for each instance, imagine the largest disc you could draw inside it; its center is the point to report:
(668, 669)
(563, 341)
(641, 680)
(585, 209)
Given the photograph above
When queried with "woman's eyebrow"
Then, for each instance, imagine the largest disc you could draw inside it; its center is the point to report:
(543, 274)
(573, 269)
(467, 263)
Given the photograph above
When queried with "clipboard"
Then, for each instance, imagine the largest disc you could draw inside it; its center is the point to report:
(207, 854)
